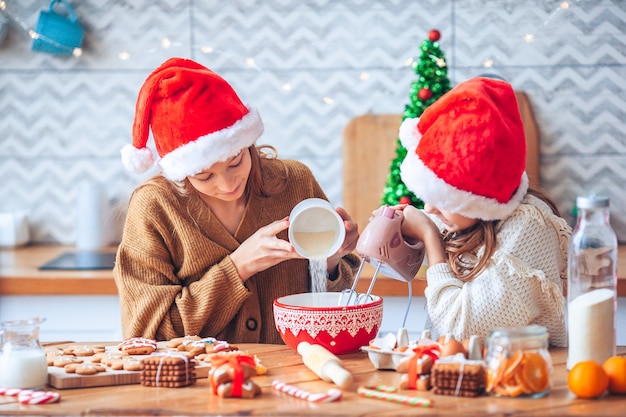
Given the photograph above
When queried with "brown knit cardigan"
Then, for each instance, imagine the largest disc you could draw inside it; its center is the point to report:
(174, 274)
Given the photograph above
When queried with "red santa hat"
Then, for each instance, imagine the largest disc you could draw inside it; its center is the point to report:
(467, 152)
(196, 118)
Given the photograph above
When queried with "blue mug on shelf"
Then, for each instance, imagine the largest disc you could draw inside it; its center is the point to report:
(57, 33)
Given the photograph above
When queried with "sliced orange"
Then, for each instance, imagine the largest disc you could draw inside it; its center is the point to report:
(489, 381)
(512, 365)
(535, 373)
(493, 378)
(525, 388)
(514, 390)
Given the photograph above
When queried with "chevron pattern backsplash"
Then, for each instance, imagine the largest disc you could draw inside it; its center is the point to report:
(309, 67)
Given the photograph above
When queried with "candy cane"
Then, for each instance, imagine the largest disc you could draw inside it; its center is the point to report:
(39, 397)
(29, 396)
(373, 392)
(14, 392)
(333, 394)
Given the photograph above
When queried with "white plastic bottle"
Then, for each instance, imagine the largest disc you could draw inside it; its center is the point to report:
(592, 284)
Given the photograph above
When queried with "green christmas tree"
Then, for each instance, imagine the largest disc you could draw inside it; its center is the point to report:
(432, 83)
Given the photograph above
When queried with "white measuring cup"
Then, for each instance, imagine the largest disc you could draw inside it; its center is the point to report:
(316, 230)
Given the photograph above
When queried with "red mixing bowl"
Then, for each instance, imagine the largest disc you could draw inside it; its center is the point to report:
(319, 318)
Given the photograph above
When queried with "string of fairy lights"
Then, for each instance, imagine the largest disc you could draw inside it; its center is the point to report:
(250, 62)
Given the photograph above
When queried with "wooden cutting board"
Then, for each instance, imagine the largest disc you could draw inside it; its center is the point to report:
(58, 378)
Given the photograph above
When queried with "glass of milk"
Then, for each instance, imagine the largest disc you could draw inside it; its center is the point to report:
(22, 359)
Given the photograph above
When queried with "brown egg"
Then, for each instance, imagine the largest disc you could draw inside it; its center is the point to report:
(452, 347)
(466, 344)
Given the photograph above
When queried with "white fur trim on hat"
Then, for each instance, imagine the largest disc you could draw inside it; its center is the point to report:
(409, 134)
(433, 190)
(137, 160)
(196, 156)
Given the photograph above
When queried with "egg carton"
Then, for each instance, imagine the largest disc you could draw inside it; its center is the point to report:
(386, 359)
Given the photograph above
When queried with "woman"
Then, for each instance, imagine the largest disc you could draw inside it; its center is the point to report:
(204, 244)
(497, 252)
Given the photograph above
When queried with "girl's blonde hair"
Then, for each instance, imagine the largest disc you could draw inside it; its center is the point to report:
(462, 247)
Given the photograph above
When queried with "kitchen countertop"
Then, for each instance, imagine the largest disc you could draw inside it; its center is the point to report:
(20, 275)
(285, 365)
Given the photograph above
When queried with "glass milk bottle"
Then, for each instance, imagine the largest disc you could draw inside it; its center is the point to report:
(22, 359)
(592, 283)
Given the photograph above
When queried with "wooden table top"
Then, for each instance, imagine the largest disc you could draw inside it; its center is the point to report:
(19, 275)
(285, 365)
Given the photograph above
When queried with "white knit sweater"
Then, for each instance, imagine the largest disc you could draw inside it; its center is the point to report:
(522, 285)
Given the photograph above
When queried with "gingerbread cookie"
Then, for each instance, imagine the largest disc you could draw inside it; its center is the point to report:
(177, 341)
(226, 373)
(61, 361)
(249, 389)
(126, 364)
(138, 346)
(421, 384)
(168, 384)
(171, 371)
(459, 378)
(110, 357)
(217, 357)
(213, 345)
(85, 368)
(192, 347)
(84, 351)
(230, 376)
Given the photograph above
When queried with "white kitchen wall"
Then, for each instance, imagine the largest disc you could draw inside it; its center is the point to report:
(309, 66)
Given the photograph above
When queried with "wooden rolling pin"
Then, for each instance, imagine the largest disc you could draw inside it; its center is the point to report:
(324, 364)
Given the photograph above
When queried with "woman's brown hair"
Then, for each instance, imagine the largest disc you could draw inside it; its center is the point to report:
(462, 248)
(255, 185)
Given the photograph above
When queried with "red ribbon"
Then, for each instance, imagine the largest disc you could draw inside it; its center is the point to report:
(235, 362)
(430, 350)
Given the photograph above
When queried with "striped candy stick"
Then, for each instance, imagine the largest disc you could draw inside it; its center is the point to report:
(39, 397)
(382, 393)
(333, 394)
(29, 396)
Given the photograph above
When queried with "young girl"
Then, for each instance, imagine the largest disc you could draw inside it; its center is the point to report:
(204, 250)
(497, 251)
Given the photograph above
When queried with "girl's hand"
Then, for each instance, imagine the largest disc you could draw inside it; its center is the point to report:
(416, 224)
(263, 250)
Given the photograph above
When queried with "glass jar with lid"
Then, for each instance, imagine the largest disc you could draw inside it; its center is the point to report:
(517, 362)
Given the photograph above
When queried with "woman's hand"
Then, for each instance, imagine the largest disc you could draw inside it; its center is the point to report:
(349, 242)
(263, 250)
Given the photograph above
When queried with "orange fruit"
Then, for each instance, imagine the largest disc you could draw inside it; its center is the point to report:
(587, 379)
(512, 365)
(535, 373)
(615, 368)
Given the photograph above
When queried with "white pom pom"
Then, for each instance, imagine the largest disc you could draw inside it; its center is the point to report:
(137, 160)
(409, 134)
